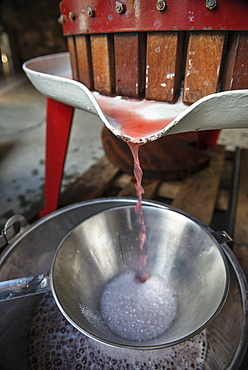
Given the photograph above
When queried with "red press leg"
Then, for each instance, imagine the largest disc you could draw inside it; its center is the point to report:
(59, 120)
(207, 139)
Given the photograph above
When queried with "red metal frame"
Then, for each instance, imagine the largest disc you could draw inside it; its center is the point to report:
(143, 16)
(207, 139)
(59, 119)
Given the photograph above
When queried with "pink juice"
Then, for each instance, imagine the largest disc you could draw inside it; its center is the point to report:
(135, 126)
(52, 339)
(138, 173)
(137, 306)
(138, 119)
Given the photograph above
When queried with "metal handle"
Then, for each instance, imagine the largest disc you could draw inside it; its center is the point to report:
(222, 237)
(23, 287)
(13, 227)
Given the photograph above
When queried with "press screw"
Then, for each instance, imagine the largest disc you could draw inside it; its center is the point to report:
(61, 19)
(91, 12)
(119, 7)
(211, 4)
(72, 16)
(161, 5)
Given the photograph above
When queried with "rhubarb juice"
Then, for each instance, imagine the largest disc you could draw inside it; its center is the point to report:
(138, 119)
(136, 305)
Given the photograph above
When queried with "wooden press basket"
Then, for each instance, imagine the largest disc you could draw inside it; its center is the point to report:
(158, 50)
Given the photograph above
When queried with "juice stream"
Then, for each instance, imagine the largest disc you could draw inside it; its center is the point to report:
(142, 274)
(138, 120)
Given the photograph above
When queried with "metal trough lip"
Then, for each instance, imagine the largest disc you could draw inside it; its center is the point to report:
(51, 75)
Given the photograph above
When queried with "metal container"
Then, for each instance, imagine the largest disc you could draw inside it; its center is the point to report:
(107, 244)
(32, 254)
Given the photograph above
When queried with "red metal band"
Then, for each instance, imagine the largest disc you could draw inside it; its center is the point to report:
(101, 16)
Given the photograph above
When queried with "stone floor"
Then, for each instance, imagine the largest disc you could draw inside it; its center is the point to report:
(22, 147)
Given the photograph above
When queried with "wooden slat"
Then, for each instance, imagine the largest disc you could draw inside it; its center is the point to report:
(122, 180)
(241, 253)
(73, 56)
(241, 222)
(236, 62)
(150, 186)
(222, 200)
(85, 74)
(164, 65)
(102, 51)
(197, 195)
(130, 64)
(169, 189)
(204, 57)
(128, 190)
(92, 184)
(240, 228)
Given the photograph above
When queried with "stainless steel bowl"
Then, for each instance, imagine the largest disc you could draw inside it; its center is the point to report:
(32, 252)
(107, 244)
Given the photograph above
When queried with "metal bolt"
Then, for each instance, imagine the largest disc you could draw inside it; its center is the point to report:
(61, 19)
(119, 7)
(161, 5)
(91, 12)
(211, 4)
(72, 16)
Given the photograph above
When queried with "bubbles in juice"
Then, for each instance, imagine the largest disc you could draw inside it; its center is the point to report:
(55, 343)
(138, 311)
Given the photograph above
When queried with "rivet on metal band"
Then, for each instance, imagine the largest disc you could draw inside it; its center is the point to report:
(90, 12)
(61, 19)
(119, 7)
(211, 4)
(161, 5)
(72, 16)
